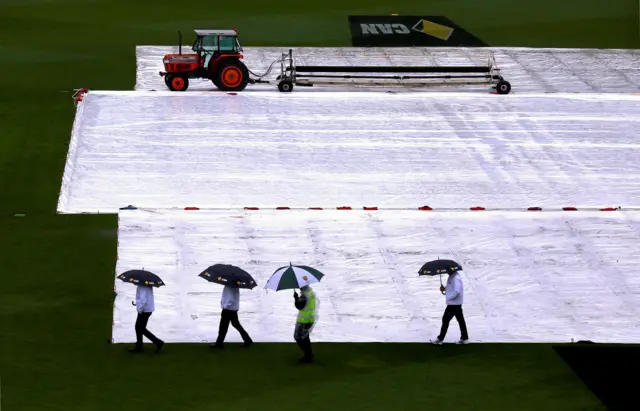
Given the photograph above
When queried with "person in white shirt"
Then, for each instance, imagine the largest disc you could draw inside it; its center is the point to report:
(145, 306)
(454, 293)
(230, 303)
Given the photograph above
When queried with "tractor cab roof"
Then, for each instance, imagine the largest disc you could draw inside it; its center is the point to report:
(216, 33)
(212, 41)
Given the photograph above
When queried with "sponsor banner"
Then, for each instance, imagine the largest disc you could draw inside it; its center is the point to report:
(408, 31)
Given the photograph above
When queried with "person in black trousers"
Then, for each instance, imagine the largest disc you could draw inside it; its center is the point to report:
(307, 316)
(230, 305)
(145, 306)
(454, 293)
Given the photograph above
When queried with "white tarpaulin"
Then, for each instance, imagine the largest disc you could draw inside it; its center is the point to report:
(527, 69)
(269, 149)
(528, 276)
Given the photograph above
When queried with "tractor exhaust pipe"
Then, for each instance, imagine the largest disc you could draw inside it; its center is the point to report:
(179, 42)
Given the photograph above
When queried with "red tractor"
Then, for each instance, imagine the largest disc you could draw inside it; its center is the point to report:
(216, 57)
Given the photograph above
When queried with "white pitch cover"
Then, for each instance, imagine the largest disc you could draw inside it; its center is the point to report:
(529, 70)
(528, 276)
(270, 149)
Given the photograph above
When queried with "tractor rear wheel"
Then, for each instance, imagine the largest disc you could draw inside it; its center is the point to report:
(177, 83)
(232, 76)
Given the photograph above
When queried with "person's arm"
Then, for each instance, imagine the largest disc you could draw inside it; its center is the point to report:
(301, 301)
(457, 288)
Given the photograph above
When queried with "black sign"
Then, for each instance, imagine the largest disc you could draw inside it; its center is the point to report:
(409, 31)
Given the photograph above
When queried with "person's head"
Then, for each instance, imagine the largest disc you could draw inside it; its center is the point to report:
(305, 288)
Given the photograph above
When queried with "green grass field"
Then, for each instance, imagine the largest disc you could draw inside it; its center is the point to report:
(58, 271)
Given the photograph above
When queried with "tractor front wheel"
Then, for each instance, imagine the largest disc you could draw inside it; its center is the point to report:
(232, 76)
(177, 83)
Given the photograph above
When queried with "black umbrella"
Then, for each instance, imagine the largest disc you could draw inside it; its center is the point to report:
(439, 267)
(231, 275)
(141, 277)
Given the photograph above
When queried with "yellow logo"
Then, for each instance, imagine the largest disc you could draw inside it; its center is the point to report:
(433, 29)
(305, 278)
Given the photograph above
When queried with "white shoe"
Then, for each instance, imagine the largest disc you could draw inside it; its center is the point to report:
(463, 342)
(437, 341)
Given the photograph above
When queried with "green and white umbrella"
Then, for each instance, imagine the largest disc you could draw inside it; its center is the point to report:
(292, 277)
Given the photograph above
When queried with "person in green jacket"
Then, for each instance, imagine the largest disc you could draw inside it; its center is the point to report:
(306, 305)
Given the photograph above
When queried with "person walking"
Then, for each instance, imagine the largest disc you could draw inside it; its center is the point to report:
(230, 303)
(307, 313)
(454, 293)
(145, 306)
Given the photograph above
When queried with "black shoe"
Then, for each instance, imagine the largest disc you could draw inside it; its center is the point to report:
(306, 359)
(247, 344)
(159, 346)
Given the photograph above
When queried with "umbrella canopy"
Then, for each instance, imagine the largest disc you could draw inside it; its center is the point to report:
(141, 277)
(230, 275)
(438, 267)
(293, 276)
